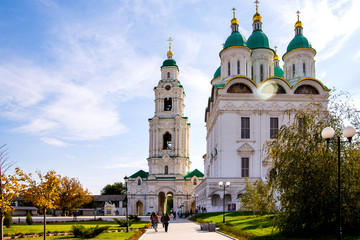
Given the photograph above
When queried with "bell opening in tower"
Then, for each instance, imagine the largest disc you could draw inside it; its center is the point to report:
(167, 141)
(167, 104)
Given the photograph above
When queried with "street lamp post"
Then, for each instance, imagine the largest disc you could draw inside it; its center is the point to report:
(327, 133)
(221, 184)
(127, 213)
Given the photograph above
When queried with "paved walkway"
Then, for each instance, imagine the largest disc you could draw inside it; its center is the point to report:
(182, 229)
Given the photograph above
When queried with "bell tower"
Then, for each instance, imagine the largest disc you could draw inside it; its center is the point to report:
(169, 129)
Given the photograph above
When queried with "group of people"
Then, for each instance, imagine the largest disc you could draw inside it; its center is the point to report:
(165, 219)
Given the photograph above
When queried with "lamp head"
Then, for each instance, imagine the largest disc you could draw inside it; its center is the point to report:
(227, 184)
(349, 132)
(126, 178)
(327, 133)
(221, 184)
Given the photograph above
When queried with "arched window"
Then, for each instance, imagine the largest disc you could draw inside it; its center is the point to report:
(139, 182)
(167, 141)
(195, 181)
(261, 72)
(166, 170)
(168, 75)
(167, 104)
(293, 70)
(238, 67)
(306, 89)
(229, 68)
(239, 88)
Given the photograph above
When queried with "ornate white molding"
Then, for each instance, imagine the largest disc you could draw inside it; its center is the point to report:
(246, 148)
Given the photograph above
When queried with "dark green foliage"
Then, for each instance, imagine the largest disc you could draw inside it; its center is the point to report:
(122, 222)
(116, 188)
(305, 174)
(8, 222)
(134, 218)
(80, 231)
(29, 219)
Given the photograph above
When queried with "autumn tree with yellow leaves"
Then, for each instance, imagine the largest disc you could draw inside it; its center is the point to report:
(11, 185)
(72, 195)
(43, 192)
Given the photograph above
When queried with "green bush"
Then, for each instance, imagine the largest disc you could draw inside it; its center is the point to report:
(135, 218)
(122, 222)
(80, 231)
(8, 220)
(29, 219)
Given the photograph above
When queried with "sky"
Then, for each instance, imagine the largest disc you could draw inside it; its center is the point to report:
(77, 77)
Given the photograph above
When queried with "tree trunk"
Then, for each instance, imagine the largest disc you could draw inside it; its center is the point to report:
(45, 224)
(1, 225)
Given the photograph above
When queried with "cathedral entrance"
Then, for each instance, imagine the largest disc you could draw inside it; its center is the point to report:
(165, 202)
(139, 208)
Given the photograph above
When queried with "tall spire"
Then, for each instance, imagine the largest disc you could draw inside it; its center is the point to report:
(257, 25)
(169, 53)
(298, 25)
(234, 22)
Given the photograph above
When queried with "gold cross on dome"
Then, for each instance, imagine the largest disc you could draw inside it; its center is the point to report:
(298, 14)
(233, 11)
(275, 49)
(170, 40)
(256, 4)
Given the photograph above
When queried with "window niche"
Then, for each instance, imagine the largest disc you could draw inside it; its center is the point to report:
(167, 104)
(139, 182)
(167, 141)
(306, 89)
(239, 88)
(166, 170)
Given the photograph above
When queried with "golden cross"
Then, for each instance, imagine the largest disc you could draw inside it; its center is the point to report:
(256, 4)
(275, 49)
(223, 44)
(170, 40)
(298, 14)
(233, 11)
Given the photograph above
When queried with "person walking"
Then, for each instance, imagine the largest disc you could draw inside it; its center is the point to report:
(174, 214)
(154, 220)
(166, 221)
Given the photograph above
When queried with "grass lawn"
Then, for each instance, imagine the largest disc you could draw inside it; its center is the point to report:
(63, 226)
(245, 225)
(116, 235)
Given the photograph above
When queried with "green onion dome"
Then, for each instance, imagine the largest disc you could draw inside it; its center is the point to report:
(235, 39)
(258, 39)
(278, 72)
(299, 41)
(169, 62)
(217, 72)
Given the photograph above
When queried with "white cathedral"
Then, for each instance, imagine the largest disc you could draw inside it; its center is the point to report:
(249, 97)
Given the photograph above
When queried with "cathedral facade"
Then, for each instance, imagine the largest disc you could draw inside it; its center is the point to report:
(249, 99)
(248, 103)
(168, 179)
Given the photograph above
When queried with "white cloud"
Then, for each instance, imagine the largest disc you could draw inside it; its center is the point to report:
(54, 142)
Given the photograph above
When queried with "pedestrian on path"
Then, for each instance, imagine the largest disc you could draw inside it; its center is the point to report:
(166, 221)
(154, 220)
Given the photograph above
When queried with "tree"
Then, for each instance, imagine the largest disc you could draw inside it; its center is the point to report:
(29, 219)
(44, 192)
(72, 195)
(11, 185)
(305, 172)
(116, 188)
(8, 221)
(258, 197)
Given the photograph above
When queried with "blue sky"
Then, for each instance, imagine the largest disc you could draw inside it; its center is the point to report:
(77, 77)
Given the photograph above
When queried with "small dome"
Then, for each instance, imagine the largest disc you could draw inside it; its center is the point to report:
(299, 41)
(169, 62)
(235, 39)
(276, 57)
(170, 53)
(278, 72)
(258, 39)
(257, 17)
(234, 21)
(217, 72)
(298, 24)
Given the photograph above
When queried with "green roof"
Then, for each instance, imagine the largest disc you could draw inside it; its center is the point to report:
(299, 41)
(194, 173)
(278, 72)
(217, 72)
(169, 62)
(140, 173)
(235, 39)
(258, 39)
